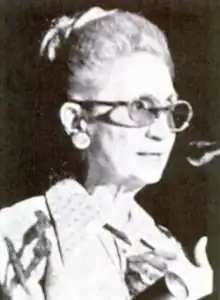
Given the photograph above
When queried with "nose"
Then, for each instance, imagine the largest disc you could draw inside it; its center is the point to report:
(159, 129)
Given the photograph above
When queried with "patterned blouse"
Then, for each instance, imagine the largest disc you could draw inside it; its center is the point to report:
(68, 245)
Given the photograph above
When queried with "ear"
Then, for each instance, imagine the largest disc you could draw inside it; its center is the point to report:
(69, 111)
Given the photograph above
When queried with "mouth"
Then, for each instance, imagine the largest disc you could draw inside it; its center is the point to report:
(142, 153)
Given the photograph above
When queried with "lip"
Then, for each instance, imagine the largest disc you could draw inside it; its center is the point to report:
(145, 153)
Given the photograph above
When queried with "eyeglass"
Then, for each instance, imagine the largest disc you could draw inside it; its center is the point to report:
(143, 112)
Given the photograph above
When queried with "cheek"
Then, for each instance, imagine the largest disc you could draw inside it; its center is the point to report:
(169, 146)
(116, 139)
(113, 140)
(171, 142)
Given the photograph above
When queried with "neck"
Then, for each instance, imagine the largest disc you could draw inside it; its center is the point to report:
(102, 178)
(112, 191)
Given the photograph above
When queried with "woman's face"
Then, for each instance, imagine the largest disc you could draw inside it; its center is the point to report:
(140, 153)
(122, 149)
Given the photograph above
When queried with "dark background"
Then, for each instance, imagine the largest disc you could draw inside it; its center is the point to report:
(186, 200)
(25, 88)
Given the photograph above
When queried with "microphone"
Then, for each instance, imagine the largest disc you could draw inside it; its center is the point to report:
(201, 152)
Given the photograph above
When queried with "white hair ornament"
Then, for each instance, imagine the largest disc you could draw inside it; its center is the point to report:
(63, 26)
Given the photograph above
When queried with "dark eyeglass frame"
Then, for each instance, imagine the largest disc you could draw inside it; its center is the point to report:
(155, 110)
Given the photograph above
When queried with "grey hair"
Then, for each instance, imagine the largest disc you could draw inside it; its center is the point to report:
(99, 41)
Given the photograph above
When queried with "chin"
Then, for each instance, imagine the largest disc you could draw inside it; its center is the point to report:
(150, 169)
(150, 177)
(142, 176)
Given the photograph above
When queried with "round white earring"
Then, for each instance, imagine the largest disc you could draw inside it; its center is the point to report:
(81, 139)
(80, 136)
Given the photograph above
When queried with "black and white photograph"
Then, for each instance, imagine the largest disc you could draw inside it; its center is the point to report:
(109, 150)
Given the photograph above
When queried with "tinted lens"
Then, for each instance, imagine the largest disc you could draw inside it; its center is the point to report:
(140, 113)
(179, 115)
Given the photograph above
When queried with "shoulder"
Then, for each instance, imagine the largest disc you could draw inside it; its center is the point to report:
(16, 219)
(26, 238)
(68, 200)
(42, 230)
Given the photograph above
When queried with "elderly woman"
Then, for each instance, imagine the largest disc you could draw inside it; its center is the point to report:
(91, 240)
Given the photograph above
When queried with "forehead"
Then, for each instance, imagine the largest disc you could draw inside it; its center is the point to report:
(137, 75)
